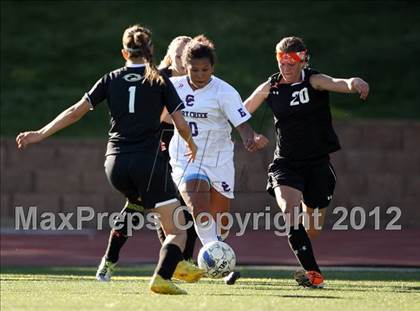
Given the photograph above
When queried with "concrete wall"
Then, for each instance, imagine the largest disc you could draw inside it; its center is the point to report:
(378, 166)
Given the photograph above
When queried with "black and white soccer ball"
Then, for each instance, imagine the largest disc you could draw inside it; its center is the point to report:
(217, 258)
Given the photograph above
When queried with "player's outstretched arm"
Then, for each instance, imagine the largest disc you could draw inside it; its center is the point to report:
(352, 85)
(185, 132)
(257, 97)
(63, 120)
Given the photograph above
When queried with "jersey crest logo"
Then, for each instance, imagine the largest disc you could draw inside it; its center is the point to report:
(189, 100)
(225, 186)
(132, 77)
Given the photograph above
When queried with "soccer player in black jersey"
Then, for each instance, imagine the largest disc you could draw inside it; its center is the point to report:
(170, 65)
(301, 173)
(136, 95)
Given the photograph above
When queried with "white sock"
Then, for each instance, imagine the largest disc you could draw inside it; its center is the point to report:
(208, 233)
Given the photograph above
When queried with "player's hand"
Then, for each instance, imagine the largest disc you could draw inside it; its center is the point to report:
(26, 138)
(260, 140)
(361, 86)
(162, 146)
(250, 145)
(191, 151)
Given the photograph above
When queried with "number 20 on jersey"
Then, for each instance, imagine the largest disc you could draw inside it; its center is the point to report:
(300, 97)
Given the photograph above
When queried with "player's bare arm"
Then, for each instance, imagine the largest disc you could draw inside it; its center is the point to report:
(185, 132)
(165, 117)
(253, 102)
(247, 136)
(63, 120)
(323, 82)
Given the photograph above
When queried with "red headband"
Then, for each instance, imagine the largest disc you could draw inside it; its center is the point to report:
(292, 57)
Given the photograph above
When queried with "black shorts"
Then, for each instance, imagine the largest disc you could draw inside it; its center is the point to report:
(314, 178)
(141, 176)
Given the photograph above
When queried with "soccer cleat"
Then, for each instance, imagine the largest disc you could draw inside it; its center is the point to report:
(310, 279)
(231, 278)
(159, 285)
(105, 270)
(188, 272)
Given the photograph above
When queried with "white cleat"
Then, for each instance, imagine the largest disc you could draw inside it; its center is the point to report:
(105, 270)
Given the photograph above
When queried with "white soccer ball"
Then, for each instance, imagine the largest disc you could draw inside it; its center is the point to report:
(217, 258)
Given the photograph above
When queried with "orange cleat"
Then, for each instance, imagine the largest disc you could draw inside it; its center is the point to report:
(310, 279)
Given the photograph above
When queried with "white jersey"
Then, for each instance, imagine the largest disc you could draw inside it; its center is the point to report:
(208, 111)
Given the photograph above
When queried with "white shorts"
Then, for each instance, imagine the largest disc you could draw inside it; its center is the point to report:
(221, 178)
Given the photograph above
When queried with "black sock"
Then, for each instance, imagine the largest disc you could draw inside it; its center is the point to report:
(117, 238)
(115, 243)
(170, 255)
(301, 245)
(161, 235)
(191, 238)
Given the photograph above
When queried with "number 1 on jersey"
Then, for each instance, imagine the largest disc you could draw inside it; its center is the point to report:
(131, 99)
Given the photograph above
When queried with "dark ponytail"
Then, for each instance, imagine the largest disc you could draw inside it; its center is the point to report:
(137, 42)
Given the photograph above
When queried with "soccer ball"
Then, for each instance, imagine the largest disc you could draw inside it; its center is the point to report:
(217, 258)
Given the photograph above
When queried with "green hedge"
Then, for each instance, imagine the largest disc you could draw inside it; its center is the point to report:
(53, 52)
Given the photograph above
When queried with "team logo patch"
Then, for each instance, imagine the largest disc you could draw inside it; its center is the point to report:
(242, 112)
(225, 187)
(189, 100)
(132, 77)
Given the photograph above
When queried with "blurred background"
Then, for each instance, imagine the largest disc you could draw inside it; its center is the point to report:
(54, 52)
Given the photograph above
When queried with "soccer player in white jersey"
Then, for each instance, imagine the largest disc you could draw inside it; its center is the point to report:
(210, 104)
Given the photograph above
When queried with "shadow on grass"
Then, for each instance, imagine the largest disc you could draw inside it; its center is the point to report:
(147, 270)
(276, 295)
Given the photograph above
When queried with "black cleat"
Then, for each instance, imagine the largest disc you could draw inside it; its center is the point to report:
(231, 278)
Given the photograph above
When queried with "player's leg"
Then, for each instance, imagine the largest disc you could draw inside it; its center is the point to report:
(170, 252)
(318, 193)
(159, 193)
(313, 220)
(220, 204)
(174, 243)
(222, 180)
(221, 196)
(171, 261)
(116, 169)
(118, 237)
(196, 194)
(191, 235)
(288, 199)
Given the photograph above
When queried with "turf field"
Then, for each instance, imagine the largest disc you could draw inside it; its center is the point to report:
(259, 289)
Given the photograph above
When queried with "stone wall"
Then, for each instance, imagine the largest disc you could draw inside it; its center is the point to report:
(379, 165)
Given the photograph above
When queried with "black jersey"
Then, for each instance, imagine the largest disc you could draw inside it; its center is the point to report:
(302, 119)
(135, 107)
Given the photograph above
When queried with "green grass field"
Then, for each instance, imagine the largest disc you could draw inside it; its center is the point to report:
(76, 289)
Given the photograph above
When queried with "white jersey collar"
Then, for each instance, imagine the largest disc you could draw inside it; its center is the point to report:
(134, 65)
